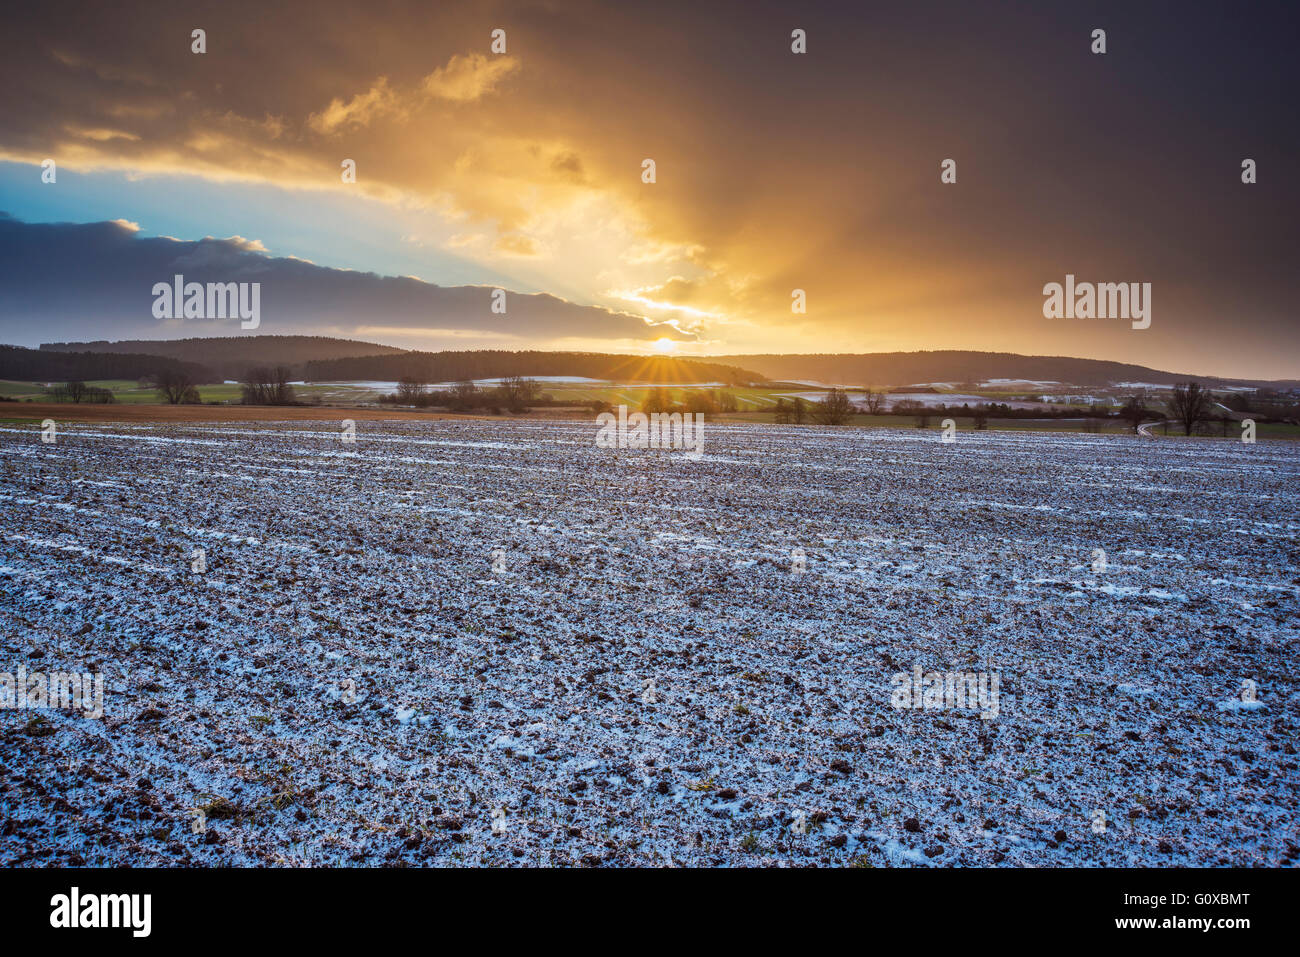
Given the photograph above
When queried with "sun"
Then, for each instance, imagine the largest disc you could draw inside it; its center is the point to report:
(664, 344)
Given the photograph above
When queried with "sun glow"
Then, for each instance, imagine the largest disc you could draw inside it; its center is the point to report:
(664, 345)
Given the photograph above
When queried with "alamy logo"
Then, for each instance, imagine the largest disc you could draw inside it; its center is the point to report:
(659, 430)
(215, 300)
(103, 910)
(1103, 300)
(38, 691)
(936, 690)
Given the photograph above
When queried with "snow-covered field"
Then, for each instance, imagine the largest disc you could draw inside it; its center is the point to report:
(927, 399)
(611, 657)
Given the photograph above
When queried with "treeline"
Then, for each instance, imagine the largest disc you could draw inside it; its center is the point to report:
(232, 357)
(326, 359)
(705, 401)
(37, 365)
(78, 392)
(518, 394)
(960, 367)
(260, 385)
(514, 394)
(1190, 406)
(263, 385)
(495, 364)
(1267, 405)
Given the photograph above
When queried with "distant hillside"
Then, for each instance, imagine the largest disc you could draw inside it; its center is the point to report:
(33, 365)
(490, 364)
(229, 357)
(906, 368)
(326, 359)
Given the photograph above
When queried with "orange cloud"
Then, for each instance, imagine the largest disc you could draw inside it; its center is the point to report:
(358, 111)
(774, 171)
(467, 78)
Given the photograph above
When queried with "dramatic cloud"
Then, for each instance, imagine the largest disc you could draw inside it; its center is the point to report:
(775, 171)
(62, 281)
(357, 111)
(466, 78)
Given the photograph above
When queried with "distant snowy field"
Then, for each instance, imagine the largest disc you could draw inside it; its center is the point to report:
(611, 656)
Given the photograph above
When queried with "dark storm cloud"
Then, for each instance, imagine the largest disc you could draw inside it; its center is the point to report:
(64, 281)
(776, 171)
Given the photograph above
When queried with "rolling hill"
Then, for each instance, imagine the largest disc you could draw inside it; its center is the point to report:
(229, 357)
(884, 369)
(326, 359)
(33, 365)
(486, 364)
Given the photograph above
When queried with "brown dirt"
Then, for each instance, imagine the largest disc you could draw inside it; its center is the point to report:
(70, 412)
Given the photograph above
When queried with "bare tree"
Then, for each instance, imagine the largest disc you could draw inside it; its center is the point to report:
(281, 390)
(175, 387)
(255, 386)
(698, 400)
(795, 410)
(263, 386)
(410, 390)
(835, 409)
(875, 401)
(516, 392)
(1134, 412)
(1190, 405)
(464, 396)
(77, 391)
(657, 400)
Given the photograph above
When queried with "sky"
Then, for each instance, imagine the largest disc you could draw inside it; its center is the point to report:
(775, 171)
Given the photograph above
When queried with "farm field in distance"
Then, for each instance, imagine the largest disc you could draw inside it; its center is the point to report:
(337, 400)
(130, 392)
(579, 392)
(490, 642)
(633, 394)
